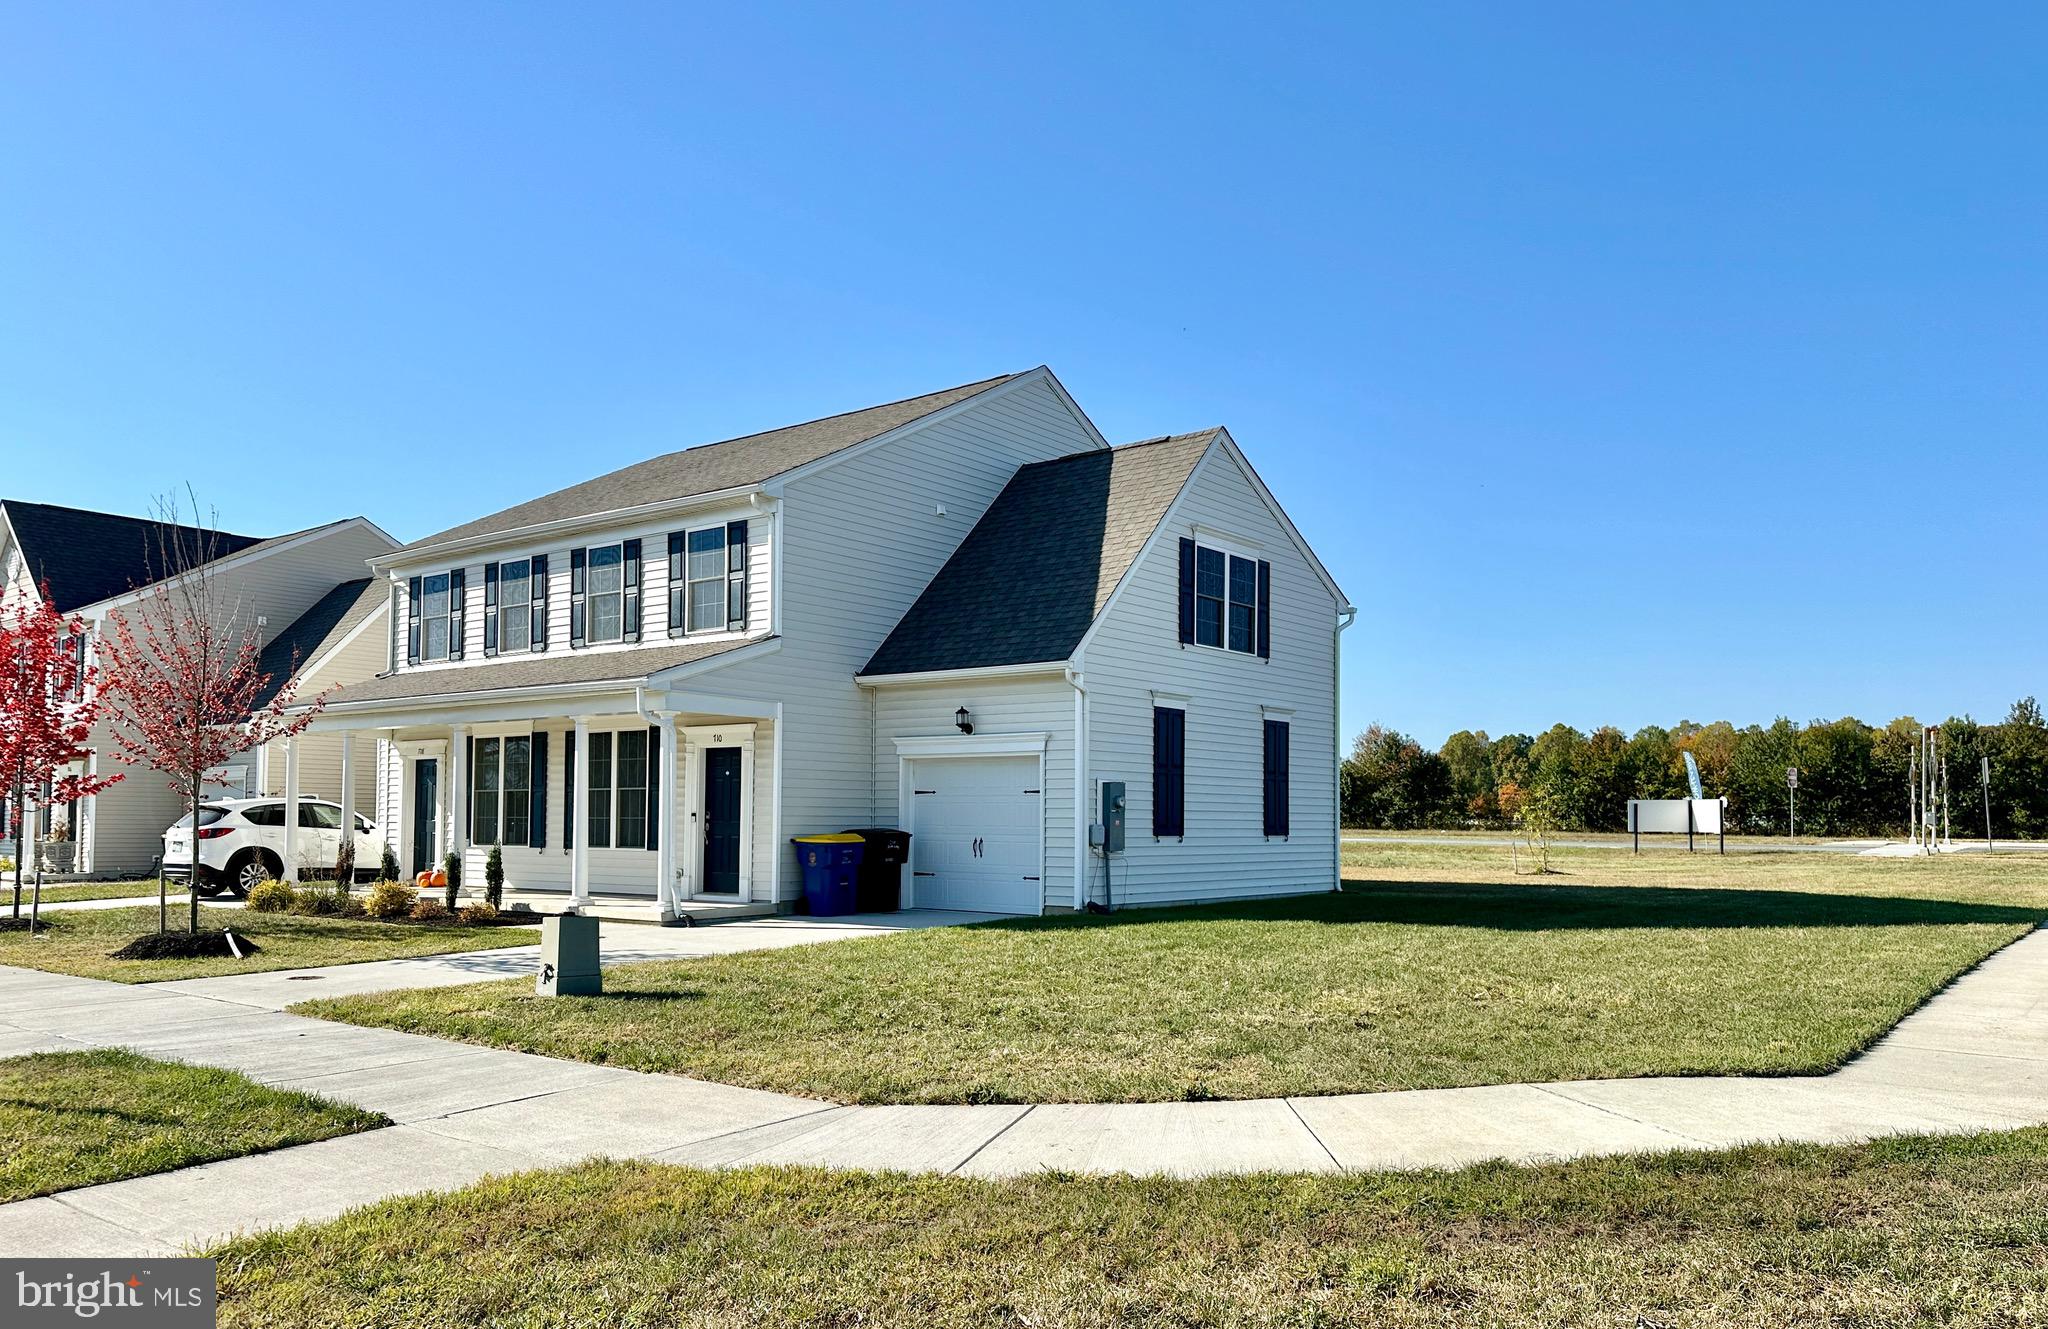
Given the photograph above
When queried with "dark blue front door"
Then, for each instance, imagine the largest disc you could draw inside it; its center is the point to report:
(721, 821)
(426, 811)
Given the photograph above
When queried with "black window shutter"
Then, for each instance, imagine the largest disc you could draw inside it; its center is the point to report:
(575, 597)
(653, 787)
(736, 576)
(1276, 777)
(1169, 771)
(677, 584)
(1187, 591)
(1265, 610)
(537, 801)
(540, 602)
(456, 601)
(469, 793)
(490, 609)
(412, 624)
(630, 555)
(397, 617)
(569, 791)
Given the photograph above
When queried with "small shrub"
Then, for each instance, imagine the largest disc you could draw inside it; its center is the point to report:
(451, 867)
(388, 869)
(345, 859)
(349, 906)
(479, 911)
(390, 899)
(494, 878)
(428, 911)
(316, 903)
(272, 897)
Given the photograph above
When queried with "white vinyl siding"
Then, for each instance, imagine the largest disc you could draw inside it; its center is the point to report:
(1225, 852)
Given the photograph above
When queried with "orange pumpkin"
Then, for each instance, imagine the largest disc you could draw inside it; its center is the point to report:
(440, 878)
(424, 880)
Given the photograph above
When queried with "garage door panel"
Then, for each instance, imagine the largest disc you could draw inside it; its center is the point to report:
(975, 834)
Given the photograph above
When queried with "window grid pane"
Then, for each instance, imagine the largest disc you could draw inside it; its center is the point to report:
(518, 795)
(632, 790)
(484, 781)
(1208, 621)
(707, 604)
(600, 791)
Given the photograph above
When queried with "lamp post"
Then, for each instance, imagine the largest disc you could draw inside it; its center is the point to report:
(1792, 800)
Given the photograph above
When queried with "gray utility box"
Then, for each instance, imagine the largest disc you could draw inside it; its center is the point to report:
(568, 957)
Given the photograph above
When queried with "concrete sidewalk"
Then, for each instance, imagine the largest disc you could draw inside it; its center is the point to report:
(1974, 1058)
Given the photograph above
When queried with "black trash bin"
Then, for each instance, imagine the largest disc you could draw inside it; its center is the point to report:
(880, 884)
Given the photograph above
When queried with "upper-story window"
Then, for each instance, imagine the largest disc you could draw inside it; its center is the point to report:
(607, 594)
(516, 605)
(1225, 599)
(434, 617)
(707, 579)
(604, 593)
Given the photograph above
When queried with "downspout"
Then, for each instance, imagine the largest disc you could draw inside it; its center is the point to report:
(1078, 683)
(1345, 618)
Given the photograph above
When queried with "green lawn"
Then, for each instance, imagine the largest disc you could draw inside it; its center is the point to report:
(84, 890)
(74, 1119)
(1620, 968)
(1901, 1232)
(79, 940)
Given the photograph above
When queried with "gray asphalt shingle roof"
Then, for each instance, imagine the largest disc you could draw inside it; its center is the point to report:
(1037, 569)
(711, 467)
(85, 557)
(554, 669)
(332, 618)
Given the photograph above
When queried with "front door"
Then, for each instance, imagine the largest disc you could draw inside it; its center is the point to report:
(721, 822)
(426, 811)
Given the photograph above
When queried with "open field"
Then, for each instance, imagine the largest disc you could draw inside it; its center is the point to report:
(73, 1119)
(78, 942)
(1906, 1231)
(1435, 968)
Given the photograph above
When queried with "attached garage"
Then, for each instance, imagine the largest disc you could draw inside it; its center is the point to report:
(977, 828)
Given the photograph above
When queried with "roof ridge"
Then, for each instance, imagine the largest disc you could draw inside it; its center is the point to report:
(1123, 447)
(841, 415)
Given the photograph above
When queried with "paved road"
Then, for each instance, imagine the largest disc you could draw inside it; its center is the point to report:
(1974, 1058)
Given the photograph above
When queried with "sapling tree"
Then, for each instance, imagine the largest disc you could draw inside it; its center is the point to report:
(48, 706)
(183, 679)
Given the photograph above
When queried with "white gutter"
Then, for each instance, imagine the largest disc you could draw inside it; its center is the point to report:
(1345, 618)
(1079, 684)
(561, 525)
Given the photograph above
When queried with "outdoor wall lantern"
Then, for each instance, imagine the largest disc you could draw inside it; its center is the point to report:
(960, 718)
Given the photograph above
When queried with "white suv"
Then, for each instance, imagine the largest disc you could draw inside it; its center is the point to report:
(241, 842)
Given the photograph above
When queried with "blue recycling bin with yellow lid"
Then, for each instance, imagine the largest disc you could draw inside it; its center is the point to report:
(831, 868)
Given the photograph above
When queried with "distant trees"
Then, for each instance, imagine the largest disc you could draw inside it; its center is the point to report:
(1852, 777)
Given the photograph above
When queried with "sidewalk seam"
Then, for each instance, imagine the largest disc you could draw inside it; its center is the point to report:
(975, 1152)
(1327, 1151)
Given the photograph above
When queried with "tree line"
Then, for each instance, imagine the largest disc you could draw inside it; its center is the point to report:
(1853, 777)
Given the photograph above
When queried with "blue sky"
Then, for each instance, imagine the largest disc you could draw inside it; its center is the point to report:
(1625, 363)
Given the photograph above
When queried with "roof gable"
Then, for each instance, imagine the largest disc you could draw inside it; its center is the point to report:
(711, 467)
(326, 625)
(85, 557)
(1031, 578)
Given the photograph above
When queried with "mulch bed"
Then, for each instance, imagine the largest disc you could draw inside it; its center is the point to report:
(13, 924)
(207, 944)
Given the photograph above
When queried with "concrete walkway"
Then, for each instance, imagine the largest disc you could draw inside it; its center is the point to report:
(1974, 1058)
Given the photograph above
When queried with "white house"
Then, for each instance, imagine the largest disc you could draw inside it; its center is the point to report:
(297, 594)
(644, 684)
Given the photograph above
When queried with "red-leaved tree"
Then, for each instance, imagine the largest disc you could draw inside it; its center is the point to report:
(47, 708)
(182, 676)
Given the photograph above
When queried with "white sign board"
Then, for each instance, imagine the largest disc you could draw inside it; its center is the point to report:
(1674, 816)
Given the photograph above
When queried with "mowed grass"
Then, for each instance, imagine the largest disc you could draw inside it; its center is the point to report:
(59, 893)
(1622, 969)
(79, 941)
(74, 1119)
(1900, 1232)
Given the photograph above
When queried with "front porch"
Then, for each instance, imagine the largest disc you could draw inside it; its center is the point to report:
(641, 806)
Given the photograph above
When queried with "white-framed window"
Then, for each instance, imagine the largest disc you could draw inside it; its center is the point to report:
(706, 574)
(606, 594)
(501, 791)
(436, 606)
(1226, 600)
(515, 605)
(618, 789)
(707, 579)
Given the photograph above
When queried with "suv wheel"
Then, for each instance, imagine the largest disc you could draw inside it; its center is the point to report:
(250, 869)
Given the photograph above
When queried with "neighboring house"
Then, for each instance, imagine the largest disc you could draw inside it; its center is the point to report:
(644, 684)
(304, 594)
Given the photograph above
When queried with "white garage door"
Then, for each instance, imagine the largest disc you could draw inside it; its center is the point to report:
(975, 834)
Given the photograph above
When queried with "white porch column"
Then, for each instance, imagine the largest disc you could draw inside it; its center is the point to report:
(291, 809)
(579, 807)
(458, 791)
(669, 830)
(348, 787)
